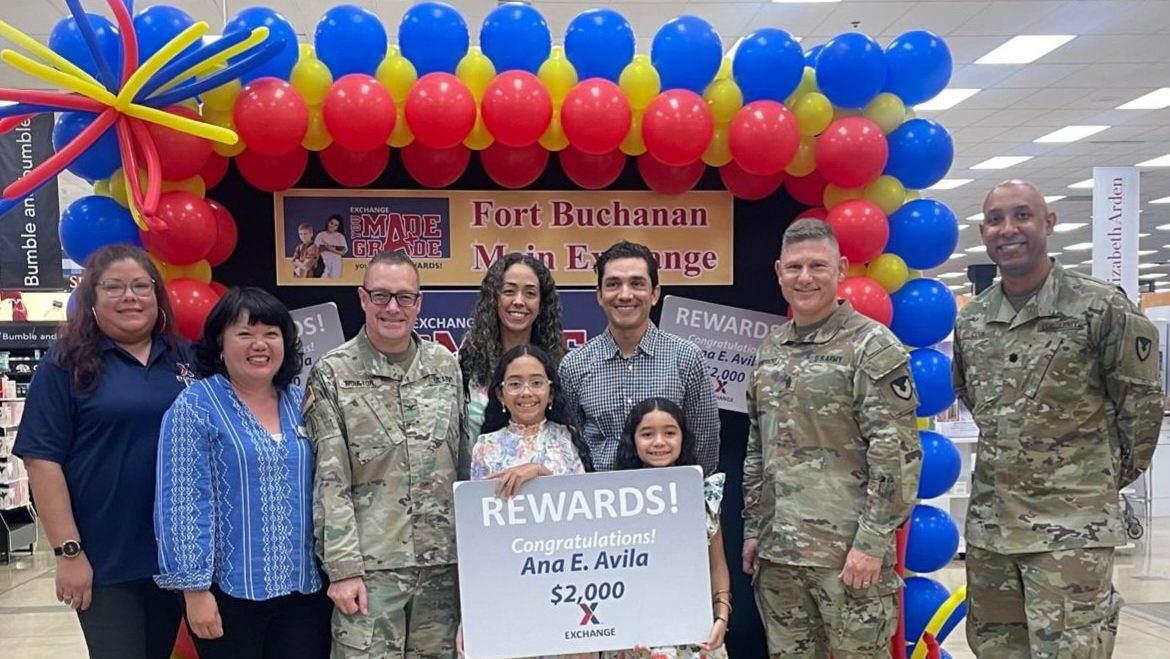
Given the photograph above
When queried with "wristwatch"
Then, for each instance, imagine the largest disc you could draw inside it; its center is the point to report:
(68, 549)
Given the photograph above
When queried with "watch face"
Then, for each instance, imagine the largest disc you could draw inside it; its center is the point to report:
(71, 548)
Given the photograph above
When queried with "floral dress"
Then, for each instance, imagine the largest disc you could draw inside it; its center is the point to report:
(713, 497)
(548, 444)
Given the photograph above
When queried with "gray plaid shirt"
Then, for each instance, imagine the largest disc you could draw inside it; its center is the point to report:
(602, 387)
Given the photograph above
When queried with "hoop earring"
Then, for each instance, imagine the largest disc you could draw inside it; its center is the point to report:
(163, 325)
(93, 310)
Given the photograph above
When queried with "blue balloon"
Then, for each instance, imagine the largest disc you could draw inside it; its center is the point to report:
(687, 53)
(156, 26)
(918, 66)
(924, 312)
(98, 161)
(93, 222)
(924, 233)
(515, 36)
(941, 464)
(433, 36)
(281, 64)
(922, 597)
(921, 153)
(957, 615)
(768, 65)
(599, 43)
(67, 41)
(851, 70)
(350, 39)
(934, 539)
(811, 55)
(931, 371)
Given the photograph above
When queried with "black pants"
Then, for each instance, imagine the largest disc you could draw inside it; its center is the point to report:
(132, 620)
(293, 626)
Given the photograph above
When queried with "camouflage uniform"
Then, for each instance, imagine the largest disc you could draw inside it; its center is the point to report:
(832, 464)
(1068, 402)
(388, 447)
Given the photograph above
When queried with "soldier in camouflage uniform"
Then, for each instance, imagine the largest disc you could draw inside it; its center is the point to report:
(1060, 371)
(384, 413)
(832, 464)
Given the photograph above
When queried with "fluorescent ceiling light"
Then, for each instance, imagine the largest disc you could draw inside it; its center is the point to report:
(803, 2)
(1068, 227)
(1079, 247)
(963, 226)
(1143, 235)
(1147, 266)
(958, 287)
(947, 99)
(1069, 134)
(951, 275)
(1163, 227)
(1160, 161)
(1163, 200)
(1048, 199)
(1086, 184)
(950, 183)
(1025, 48)
(1001, 162)
(1055, 254)
(1159, 99)
(1087, 262)
(976, 249)
(1154, 275)
(957, 255)
(1146, 252)
(977, 217)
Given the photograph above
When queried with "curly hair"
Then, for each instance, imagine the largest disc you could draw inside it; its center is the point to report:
(261, 307)
(79, 347)
(496, 417)
(482, 345)
(627, 449)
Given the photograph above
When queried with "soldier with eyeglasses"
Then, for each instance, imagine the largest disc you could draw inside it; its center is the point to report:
(384, 412)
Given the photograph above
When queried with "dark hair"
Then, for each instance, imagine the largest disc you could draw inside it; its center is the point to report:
(261, 307)
(340, 222)
(387, 257)
(627, 250)
(79, 347)
(627, 449)
(482, 346)
(496, 416)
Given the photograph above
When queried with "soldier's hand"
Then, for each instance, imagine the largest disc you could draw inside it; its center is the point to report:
(751, 555)
(861, 570)
(512, 479)
(349, 595)
(203, 614)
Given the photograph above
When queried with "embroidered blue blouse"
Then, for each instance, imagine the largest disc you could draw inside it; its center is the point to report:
(234, 504)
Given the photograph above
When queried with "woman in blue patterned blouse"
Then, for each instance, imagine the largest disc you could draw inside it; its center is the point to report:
(233, 512)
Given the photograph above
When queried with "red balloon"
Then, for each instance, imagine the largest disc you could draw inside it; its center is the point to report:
(226, 233)
(190, 229)
(191, 301)
(213, 170)
(861, 228)
(272, 173)
(514, 167)
(435, 168)
(852, 152)
(592, 172)
(359, 112)
(354, 169)
(440, 110)
(808, 190)
(596, 116)
(271, 116)
(516, 108)
(749, 186)
(868, 298)
(669, 179)
(180, 155)
(219, 289)
(817, 213)
(677, 127)
(763, 137)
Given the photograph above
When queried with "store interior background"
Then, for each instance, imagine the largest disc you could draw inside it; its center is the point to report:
(1114, 53)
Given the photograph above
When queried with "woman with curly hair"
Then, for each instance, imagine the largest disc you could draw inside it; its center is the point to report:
(517, 305)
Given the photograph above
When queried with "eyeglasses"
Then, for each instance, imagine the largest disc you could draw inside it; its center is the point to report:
(405, 299)
(113, 288)
(535, 385)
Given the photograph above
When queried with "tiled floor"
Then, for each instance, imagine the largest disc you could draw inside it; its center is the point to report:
(33, 625)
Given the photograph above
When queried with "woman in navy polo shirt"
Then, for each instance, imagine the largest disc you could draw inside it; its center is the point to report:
(89, 436)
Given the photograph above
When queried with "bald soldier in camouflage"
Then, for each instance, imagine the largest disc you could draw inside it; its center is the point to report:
(1060, 371)
(832, 464)
(384, 413)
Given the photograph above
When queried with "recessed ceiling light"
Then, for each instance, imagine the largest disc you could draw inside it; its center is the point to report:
(947, 99)
(977, 217)
(976, 249)
(1069, 134)
(1001, 162)
(1086, 184)
(1160, 161)
(1163, 200)
(951, 275)
(1158, 99)
(957, 255)
(950, 183)
(1079, 247)
(1068, 227)
(1048, 199)
(1025, 48)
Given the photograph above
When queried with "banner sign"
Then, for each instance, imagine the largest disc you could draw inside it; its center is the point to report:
(1115, 227)
(587, 562)
(325, 237)
(15, 336)
(446, 316)
(729, 338)
(30, 248)
(319, 328)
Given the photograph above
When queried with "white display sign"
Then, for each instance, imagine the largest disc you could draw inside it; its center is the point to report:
(1115, 227)
(319, 328)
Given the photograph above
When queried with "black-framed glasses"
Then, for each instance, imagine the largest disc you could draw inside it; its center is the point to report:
(114, 288)
(381, 298)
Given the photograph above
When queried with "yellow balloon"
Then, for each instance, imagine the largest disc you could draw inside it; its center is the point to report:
(224, 119)
(923, 423)
(219, 60)
(397, 74)
(223, 97)
(889, 271)
(317, 138)
(886, 110)
(914, 274)
(813, 113)
(633, 144)
(199, 271)
(836, 195)
(162, 266)
(558, 76)
(183, 124)
(102, 187)
(910, 114)
(725, 99)
(841, 113)
(807, 85)
(118, 191)
(46, 54)
(911, 195)
(724, 69)
(151, 66)
(640, 81)
(306, 51)
(312, 79)
(195, 185)
(887, 192)
(402, 134)
(718, 152)
(855, 270)
(554, 138)
(476, 71)
(805, 160)
(479, 138)
(56, 78)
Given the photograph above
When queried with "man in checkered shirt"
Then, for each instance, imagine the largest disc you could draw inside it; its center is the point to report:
(634, 360)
